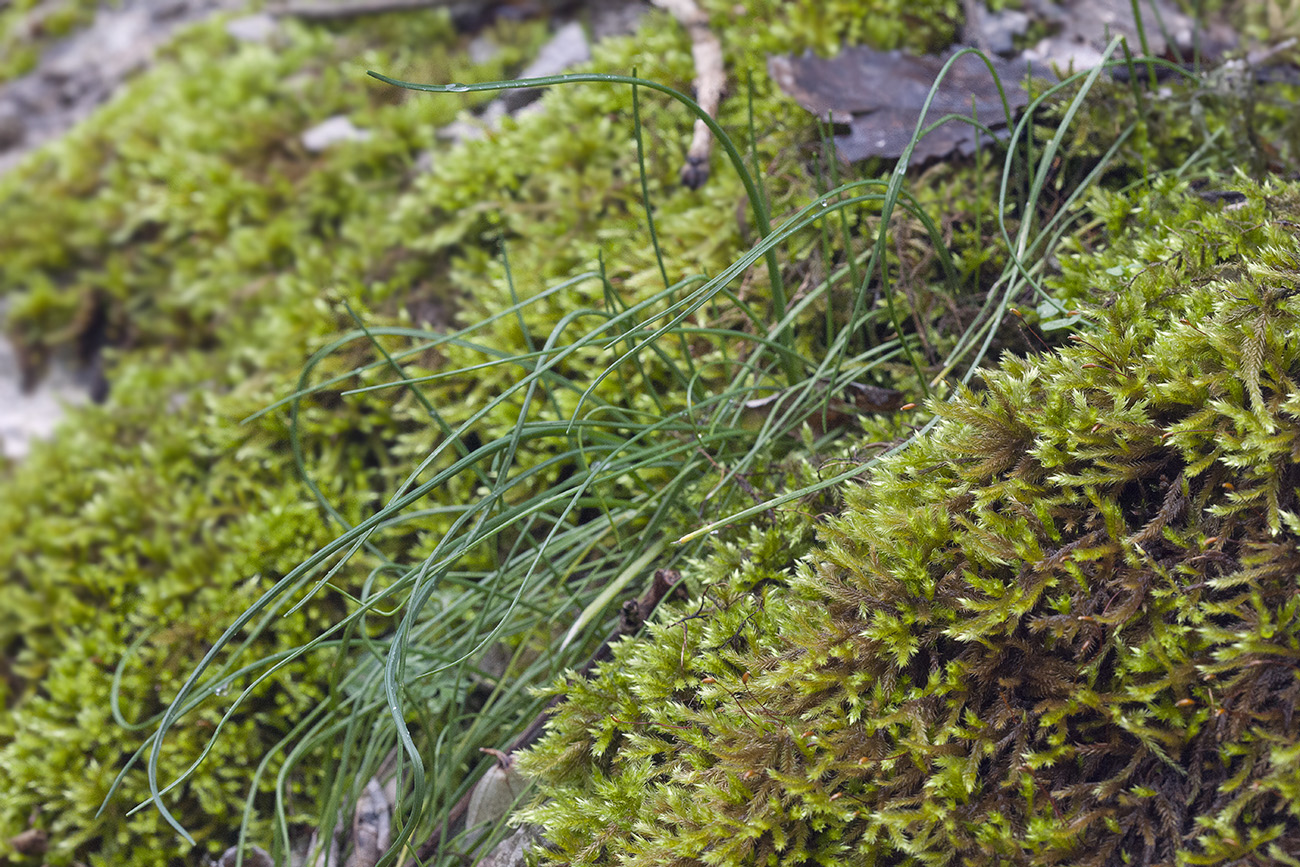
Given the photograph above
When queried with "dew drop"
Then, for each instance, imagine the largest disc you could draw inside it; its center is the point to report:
(455, 88)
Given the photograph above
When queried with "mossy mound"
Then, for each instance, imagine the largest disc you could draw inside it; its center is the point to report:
(186, 227)
(1063, 627)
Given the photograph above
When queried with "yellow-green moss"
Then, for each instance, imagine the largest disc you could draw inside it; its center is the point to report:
(1059, 629)
(186, 217)
(219, 253)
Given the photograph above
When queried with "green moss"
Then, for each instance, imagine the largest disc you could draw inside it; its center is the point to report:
(1059, 629)
(135, 529)
(216, 254)
(185, 219)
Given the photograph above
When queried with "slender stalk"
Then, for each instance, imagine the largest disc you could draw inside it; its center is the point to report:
(757, 202)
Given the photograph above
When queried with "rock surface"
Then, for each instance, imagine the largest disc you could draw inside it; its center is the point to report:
(333, 131)
(78, 74)
(27, 417)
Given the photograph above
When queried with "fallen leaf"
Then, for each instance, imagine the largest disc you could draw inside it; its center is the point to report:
(879, 95)
(495, 792)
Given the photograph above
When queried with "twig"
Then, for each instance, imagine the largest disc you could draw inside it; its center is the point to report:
(710, 79)
(326, 11)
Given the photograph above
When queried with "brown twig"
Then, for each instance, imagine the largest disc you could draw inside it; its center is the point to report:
(710, 79)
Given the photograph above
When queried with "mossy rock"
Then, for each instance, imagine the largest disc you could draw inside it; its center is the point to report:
(1063, 627)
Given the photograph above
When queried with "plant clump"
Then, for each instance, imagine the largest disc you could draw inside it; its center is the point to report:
(186, 231)
(1059, 628)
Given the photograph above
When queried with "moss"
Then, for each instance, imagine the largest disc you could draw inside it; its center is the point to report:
(185, 214)
(1059, 629)
(213, 254)
(125, 534)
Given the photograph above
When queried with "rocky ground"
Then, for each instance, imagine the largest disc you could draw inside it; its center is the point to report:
(78, 74)
(82, 72)
(73, 78)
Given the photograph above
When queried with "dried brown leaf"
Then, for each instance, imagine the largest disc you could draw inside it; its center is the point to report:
(879, 95)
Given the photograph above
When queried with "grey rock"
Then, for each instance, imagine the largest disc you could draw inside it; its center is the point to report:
(565, 50)
(170, 10)
(462, 130)
(333, 131)
(12, 128)
(77, 74)
(1085, 28)
(615, 18)
(26, 418)
(482, 48)
(513, 850)
(253, 28)
(115, 47)
(999, 29)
